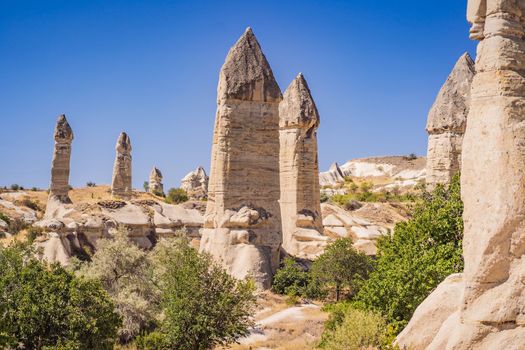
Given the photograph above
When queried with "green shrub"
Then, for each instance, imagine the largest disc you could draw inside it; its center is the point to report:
(45, 306)
(351, 328)
(341, 268)
(33, 232)
(30, 204)
(290, 278)
(5, 218)
(324, 197)
(176, 196)
(417, 257)
(203, 306)
(90, 184)
(145, 185)
(16, 225)
(15, 187)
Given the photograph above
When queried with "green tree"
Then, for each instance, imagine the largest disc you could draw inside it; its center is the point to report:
(290, 278)
(125, 272)
(45, 306)
(203, 306)
(417, 257)
(176, 196)
(341, 268)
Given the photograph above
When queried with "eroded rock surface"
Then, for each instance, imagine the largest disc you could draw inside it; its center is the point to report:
(242, 226)
(155, 182)
(332, 177)
(195, 183)
(446, 123)
(492, 311)
(300, 203)
(121, 180)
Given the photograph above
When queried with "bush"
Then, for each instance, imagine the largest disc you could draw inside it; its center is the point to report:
(290, 279)
(350, 328)
(324, 197)
(44, 306)
(203, 305)
(30, 204)
(15, 187)
(125, 273)
(419, 255)
(145, 185)
(5, 218)
(33, 232)
(341, 268)
(90, 184)
(16, 225)
(176, 196)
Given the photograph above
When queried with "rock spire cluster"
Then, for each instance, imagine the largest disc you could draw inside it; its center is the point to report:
(121, 180)
(155, 182)
(195, 183)
(446, 123)
(242, 227)
(299, 170)
(491, 312)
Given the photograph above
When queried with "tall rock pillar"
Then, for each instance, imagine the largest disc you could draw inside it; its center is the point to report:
(58, 191)
(121, 181)
(446, 123)
(155, 182)
(242, 227)
(300, 197)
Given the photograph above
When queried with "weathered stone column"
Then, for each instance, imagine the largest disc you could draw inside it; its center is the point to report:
(58, 191)
(242, 226)
(121, 181)
(61, 157)
(155, 182)
(446, 123)
(300, 197)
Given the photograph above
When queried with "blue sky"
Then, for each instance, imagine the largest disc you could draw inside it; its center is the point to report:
(151, 68)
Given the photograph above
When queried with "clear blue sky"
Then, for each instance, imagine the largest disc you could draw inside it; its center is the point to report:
(150, 68)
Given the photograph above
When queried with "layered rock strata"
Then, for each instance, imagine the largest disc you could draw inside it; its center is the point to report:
(446, 123)
(492, 311)
(195, 183)
(58, 191)
(300, 197)
(121, 181)
(155, 182)
(242, 227)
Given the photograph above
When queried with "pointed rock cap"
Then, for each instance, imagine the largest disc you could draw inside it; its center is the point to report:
(155, 173)
(63, 131)
(450, 109)
(123, 143)
(298, 107)
(246, 74)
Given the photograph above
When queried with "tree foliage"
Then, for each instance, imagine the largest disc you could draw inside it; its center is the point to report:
(417, 257)
(341, 268)
(45, 306)
(176, 196)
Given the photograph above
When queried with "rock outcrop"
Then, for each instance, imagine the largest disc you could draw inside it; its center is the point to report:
(121, 181)
(492, 311)
(58, 191)
(300, 197)
(155, 182)
(242, 227)
(446, 123)
(332, 177)
(195, 183)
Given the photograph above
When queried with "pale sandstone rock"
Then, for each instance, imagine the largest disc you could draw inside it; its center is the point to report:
(195, 183)
(431, 313)
(446, 123)
(3, 225)
(332, 177)
(58, 191)
(300, 197)
(244, 172)
(55, 249)
(155, 182)
(492, 312)
(121, 181)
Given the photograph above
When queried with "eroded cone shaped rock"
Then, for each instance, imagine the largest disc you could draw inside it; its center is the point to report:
(492, 312)
(195, 183)
(446, 123)
(300, 202)
(58, 191)
(242, 222)
(155, 182)
(121, 181)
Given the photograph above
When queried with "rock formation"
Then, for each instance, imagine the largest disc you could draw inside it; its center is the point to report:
(332, 177)
(195, 183)
(58, 191)
(300, 202)
(121, 182)
(242, 227)
(155, 182)
(492, 312)
(446, 123)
